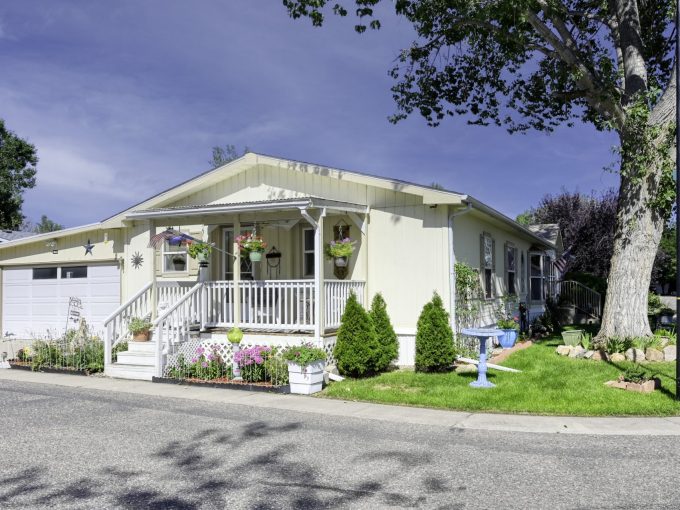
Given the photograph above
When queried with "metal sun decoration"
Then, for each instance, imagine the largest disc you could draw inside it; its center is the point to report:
(137, 260)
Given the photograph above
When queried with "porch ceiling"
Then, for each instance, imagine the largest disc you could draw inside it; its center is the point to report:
(242, 207)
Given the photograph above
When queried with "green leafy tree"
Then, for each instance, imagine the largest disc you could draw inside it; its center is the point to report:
(538, 64)
(46, 225)
(221, 155)
(357, 350)
(434, 338)
(18, 162)
(525, 218)
(387, 338)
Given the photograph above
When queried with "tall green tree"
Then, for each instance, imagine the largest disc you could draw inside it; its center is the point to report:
(387, 338)
(46, 225)
(537, 64)
(221, 155)
(18, 162)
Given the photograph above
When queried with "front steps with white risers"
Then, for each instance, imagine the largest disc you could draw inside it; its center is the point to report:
(138, 362)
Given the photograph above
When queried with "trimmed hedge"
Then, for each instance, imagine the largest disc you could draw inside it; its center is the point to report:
(357, 349)
(434, 338)
(387, 338)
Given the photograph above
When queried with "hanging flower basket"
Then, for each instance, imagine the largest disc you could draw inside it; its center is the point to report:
(340, 261)
(340, 251)
(251, 244)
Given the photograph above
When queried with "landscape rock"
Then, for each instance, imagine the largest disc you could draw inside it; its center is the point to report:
(466, 369)
(563, 350)
(496, 351)
(635, 354)
(589, 354)
(577, 352)
(654, 355)
(669, 353)
(599, 356)
(617, 357)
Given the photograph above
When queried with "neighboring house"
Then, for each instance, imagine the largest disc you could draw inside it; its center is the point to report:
(408, 238)
(12, 235)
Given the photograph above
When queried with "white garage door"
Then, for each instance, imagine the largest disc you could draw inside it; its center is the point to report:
(35, 300)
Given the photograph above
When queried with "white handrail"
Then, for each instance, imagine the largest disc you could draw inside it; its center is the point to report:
(177, 304)
(128, 302)
(581, 296)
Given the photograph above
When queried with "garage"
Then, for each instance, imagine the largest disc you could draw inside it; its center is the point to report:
(35, 300)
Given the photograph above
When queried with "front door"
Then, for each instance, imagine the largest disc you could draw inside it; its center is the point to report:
(247, 269)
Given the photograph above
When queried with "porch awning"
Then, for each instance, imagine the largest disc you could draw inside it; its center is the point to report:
(242, 207)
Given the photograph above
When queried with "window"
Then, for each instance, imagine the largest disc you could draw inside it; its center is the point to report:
(308, 252)
(44, 273)
(488, 263)
(74, 272)
(536, 276)
(523, 276)
(511, 268)
(174, 258)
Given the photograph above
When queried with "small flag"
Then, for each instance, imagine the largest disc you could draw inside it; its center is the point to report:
(563, 262)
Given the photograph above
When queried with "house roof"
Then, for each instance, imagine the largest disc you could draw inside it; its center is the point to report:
(236, 207)
(11, 235)
(154, 206)
(547, 231)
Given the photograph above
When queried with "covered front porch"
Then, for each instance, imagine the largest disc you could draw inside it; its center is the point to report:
(293, 290)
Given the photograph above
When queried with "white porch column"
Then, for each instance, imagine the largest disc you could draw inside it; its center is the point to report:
(237, 272)
(319, 293)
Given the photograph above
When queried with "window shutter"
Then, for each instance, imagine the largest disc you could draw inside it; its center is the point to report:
(506, 267)
(159, 261)
(493, 267)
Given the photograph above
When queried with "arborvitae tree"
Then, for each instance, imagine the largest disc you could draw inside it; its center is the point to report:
(434, 338)
(357, 349)
(387, 338)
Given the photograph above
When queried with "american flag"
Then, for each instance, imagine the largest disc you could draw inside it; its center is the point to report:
(563, 262)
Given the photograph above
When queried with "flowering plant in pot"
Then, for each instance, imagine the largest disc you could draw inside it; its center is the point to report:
(252, 244)
(139, 327)
(199, 250)
(305, 368)
(510, 328)
(340, 251)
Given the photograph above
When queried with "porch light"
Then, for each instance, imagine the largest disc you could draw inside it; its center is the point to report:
(52, 244)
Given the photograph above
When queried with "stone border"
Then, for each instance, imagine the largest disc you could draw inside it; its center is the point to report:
(650, 355)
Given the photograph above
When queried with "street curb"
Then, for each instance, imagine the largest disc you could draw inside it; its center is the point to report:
(622, 426)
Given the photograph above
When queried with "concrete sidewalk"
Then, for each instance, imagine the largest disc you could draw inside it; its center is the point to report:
(397, 414)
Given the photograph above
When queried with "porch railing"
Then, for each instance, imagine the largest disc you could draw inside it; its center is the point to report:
(174, 325)
(584, 298)
(116, 324)
(169, 292)
(337, 293)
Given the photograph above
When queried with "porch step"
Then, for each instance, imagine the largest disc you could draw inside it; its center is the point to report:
(142, 358)
(142, 347)
(136, 372)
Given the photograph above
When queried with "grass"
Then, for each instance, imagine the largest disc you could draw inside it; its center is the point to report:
(549, 385)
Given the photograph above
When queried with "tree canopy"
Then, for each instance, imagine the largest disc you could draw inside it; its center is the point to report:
(18, 162)
(46, 225)
(221, 155)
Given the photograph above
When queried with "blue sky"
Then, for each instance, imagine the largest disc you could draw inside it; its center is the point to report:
(124, 99)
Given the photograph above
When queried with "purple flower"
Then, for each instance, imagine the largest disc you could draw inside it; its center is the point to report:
(200, 350)
(194, 360)
(204, 364)
(211, 357)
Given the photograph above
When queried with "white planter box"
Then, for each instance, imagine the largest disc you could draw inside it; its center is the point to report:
(306, 380)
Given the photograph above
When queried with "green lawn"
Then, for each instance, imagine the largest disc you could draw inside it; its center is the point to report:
(548, 384)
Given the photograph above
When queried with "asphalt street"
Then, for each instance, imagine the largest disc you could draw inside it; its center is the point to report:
(82, 448)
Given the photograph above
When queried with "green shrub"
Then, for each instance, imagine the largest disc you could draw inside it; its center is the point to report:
(303, 354)
(434, 338)
(618, 344)
(387, 338)
(357, 349)
(647, 342)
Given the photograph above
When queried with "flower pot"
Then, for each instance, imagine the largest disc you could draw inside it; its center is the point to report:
(306, 380)
(142, 336)
(255, 256)
(340, 261)
(179, 264)
(508, 339)
(203, 257)
(572, 337)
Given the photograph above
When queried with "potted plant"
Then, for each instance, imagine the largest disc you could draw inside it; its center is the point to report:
(340, 251)
(252, 244)
(139, 328)
(179, 263)
(199, 250)
(510, 328)
(305, 368)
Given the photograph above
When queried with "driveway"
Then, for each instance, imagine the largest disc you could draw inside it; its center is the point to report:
(84, 448)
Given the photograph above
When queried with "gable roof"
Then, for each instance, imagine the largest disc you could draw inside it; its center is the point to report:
(11, 235)
(548, 231)
(430, 195)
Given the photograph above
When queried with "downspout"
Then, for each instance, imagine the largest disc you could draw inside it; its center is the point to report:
(452, 266)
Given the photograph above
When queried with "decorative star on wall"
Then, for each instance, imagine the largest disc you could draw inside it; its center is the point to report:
(137, 260)
(88, 247)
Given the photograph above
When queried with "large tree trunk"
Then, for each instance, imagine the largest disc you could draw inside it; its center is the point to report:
(638, 231)
(637, 236)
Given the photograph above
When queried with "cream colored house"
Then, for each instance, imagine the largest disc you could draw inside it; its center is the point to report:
(407, 240)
